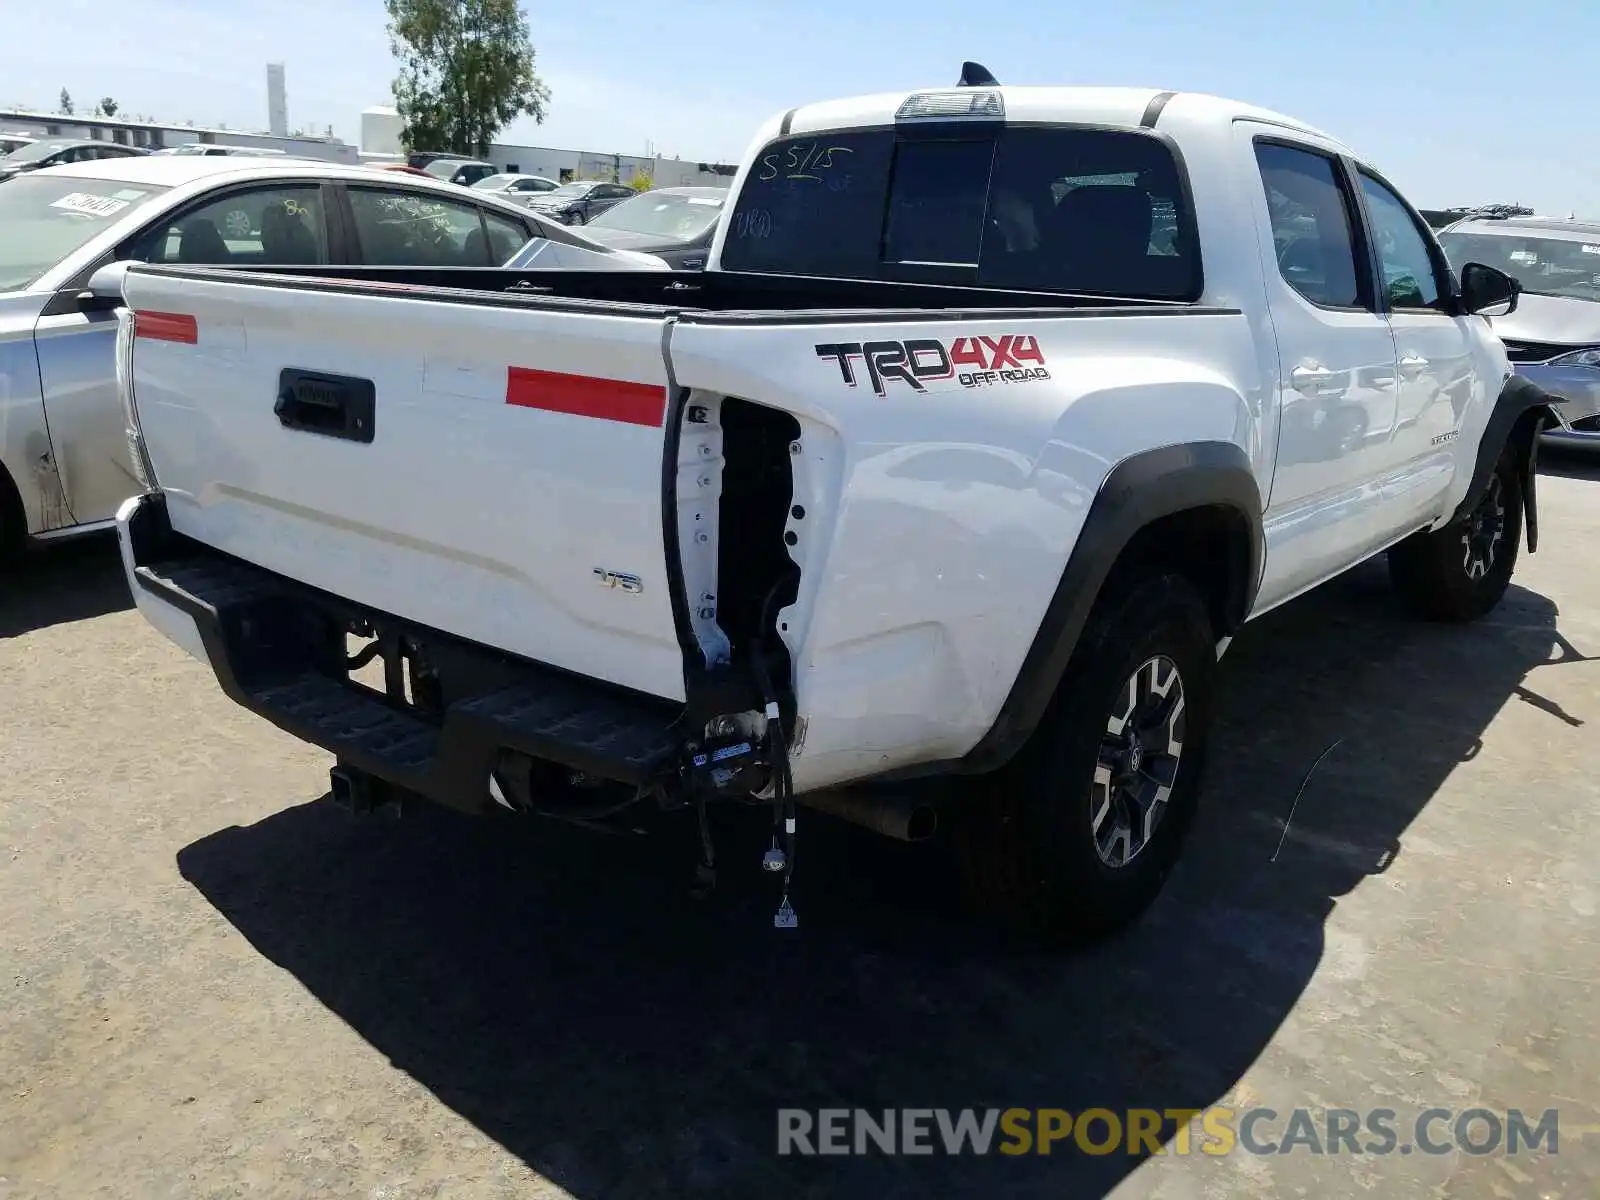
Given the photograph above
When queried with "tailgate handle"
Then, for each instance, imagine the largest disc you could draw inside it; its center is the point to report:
(338, 406)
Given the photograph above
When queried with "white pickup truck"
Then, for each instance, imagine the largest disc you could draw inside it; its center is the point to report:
(996, 414)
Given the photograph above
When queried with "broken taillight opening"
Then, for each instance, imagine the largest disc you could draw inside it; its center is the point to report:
(138, 453)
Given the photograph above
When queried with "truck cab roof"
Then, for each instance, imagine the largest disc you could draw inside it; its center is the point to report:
(1118, 107)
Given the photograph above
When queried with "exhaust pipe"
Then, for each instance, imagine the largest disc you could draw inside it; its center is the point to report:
(898, 816)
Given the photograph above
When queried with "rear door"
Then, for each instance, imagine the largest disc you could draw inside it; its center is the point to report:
(1336, 361)
(490, 470)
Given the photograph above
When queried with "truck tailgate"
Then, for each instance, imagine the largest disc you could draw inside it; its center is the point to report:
(493, 472)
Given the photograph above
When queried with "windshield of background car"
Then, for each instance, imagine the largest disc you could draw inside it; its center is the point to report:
(495, 183)
(568, 191)
(44, 219)
(1546, 266)
(35, 151)
(681, 217)
(1045, 209)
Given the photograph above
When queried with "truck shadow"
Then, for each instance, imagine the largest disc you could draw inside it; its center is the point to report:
(562, 992)
(57, 584)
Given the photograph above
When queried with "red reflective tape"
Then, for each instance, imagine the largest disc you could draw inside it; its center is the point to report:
(587, 396)
(166, 327)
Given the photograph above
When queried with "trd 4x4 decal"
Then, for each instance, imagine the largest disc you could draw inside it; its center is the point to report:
(1010, 358)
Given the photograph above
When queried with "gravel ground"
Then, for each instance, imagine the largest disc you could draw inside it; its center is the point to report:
(218, 984)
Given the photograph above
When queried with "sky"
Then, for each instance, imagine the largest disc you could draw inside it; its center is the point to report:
(1458, 103)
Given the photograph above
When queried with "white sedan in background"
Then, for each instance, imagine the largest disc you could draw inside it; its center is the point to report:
(64, 465)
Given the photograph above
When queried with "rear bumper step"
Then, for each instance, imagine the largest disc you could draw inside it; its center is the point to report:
(277, 648)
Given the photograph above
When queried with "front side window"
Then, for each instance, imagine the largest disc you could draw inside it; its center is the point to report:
(412, 229)
(279, 225)
(1409, 277)
(1054, 209)
(1312, 226)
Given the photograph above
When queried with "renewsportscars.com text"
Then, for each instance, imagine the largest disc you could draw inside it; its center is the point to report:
(1150, 1131)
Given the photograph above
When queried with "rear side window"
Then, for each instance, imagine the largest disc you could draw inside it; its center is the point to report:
(1046, 209)
(1312, 225)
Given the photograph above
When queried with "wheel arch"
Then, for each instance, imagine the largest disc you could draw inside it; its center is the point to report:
(1521, 413)
(1194, 507)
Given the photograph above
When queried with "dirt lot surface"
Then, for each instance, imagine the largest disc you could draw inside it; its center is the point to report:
(217, 984)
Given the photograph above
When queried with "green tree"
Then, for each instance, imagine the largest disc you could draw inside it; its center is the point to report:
(108, 106)
(642, 182)
(466, 72)
(66, 102)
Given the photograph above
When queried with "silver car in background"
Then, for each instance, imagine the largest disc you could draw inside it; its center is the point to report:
(515, 187)
(1553, 337)
(66, 234)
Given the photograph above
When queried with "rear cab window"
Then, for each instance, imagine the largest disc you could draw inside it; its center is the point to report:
(1036, 208)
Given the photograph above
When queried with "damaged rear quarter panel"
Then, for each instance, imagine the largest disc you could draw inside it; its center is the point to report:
(941, 510)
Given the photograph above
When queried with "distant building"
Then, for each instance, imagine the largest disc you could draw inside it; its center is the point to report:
(157, 135)
(381, 128)
(380, 132)
(277, 101)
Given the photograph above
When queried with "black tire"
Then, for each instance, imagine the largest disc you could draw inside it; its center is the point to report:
(13, 522)
(1459, 573)
(1028, 841)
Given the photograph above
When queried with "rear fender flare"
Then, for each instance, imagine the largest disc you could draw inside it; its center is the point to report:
(1139, 490)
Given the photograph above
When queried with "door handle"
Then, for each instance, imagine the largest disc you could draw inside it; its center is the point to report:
(336, 406)
(1413, 365)
(1312, 380)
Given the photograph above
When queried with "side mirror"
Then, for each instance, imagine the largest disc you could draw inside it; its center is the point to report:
(104, 289)
(1487, 291)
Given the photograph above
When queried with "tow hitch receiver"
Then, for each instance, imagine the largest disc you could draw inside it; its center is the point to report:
(358, 792)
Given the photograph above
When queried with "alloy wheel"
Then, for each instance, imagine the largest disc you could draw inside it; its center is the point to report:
(1138, 762)
(1485, 528)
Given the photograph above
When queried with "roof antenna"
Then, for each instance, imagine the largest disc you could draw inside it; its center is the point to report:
(976, 75)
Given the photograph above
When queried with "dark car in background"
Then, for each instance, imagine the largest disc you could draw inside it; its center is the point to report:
(1553, 337)
(675, 224)
(421, 158)
(56, 152)
(581, 201)
(465, 171)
